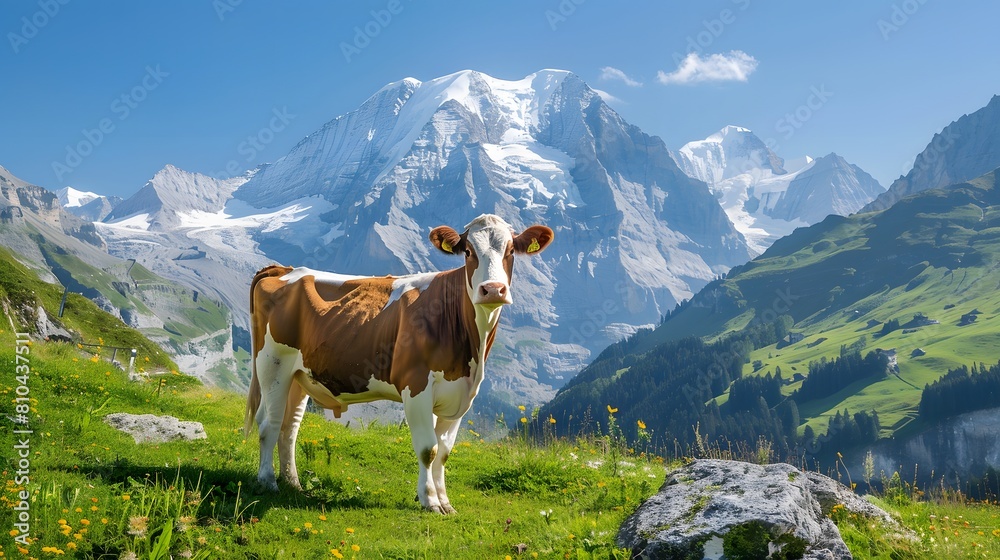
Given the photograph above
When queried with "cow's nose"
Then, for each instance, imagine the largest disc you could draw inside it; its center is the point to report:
(493, 292)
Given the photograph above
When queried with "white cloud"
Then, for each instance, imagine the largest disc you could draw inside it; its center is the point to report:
(608, 98)
(611, 73)
(732, 66)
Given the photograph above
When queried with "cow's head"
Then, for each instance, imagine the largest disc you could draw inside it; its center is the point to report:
(489, 245)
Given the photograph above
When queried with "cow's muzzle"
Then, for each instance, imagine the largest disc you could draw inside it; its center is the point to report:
(492, 293)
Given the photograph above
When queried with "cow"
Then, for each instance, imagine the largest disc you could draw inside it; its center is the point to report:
(421, 340)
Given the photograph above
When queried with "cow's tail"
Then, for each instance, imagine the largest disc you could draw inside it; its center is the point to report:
(253, 395)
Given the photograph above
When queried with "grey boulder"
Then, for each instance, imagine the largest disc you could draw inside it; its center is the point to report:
(149, 428)
(700, 503)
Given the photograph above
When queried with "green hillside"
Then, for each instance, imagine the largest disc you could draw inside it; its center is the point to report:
(929, 262)
(22, 293)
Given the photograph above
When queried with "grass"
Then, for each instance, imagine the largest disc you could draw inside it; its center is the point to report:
(95, 492)
(946, 345)
(947, 526)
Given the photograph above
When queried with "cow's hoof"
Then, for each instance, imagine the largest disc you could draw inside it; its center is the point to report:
(294, 483)
(447, 509)
(436, 509)
(267, 485)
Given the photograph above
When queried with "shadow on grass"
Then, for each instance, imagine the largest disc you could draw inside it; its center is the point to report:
(233, 494)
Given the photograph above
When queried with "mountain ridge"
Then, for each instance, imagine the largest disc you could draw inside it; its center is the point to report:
(963, 150)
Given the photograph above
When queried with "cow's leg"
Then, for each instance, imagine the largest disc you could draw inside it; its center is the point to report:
(295, 407)
(420, 416)
(274, 371)
(446, 431)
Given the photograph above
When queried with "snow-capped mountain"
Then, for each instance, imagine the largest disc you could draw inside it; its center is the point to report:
(87, 205)
(728, 153)
(173, 193)
(634, 234)
(963, 150)
(767, 197)
(72, 198)
(180, 225)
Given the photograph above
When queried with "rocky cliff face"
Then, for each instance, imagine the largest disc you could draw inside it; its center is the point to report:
(828, 185)
(957, 449)
(23, 200)
(963, 150)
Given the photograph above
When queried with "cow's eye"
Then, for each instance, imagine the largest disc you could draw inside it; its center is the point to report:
(468, 252)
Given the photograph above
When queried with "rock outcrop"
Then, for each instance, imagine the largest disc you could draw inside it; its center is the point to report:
(148, 428)
(707, 505)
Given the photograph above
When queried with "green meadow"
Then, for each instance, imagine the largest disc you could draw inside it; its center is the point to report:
(94, 492)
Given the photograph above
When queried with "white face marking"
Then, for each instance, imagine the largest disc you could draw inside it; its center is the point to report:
(489, 237)
(321, 277)
(403, 284)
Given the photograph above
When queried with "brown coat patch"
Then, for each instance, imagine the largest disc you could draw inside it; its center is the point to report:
(347, 335)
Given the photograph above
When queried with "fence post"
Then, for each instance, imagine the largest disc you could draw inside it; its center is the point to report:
(62, 304)
(131, 362)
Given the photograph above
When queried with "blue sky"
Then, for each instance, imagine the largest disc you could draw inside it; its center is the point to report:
(871, 80)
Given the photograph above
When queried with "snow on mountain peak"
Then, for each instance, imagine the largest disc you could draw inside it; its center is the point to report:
(732, 151)
(728, 132)
(72, 198)
(796, 164)
(173, 191)
(766, 197)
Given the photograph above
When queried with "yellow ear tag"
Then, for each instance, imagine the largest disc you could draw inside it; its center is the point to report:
(445, 245)
(534, 246)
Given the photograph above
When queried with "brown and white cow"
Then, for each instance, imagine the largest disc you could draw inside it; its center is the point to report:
(421, 340)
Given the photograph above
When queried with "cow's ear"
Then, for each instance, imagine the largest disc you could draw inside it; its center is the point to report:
(446, 239)
(533, 240)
